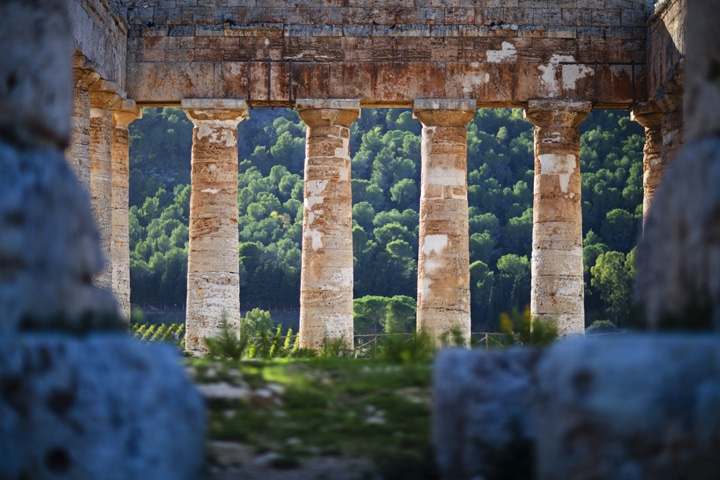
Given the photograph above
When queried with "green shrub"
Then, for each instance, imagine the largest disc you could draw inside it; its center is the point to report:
(521, 328)
(602, 326)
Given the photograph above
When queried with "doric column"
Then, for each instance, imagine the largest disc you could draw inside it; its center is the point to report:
(443, 294)
(78, 152)
(102, 96)
(213, 288)
(124, 112)
(650, 117)
(557, 257)
(326, 282)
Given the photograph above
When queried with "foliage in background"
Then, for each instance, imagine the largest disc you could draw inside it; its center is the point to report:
(522, 329)
(148, 332)
(385, 149)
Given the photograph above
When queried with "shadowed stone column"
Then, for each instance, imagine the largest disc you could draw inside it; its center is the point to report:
(557, 257)
(443, 295)
(124, 113)
(672, 125)
(213, 288)
(326, 283)
(650, 117)
(102, 96)
(78, 152)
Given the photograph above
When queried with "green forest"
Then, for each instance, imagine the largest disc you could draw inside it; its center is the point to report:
(385, 149)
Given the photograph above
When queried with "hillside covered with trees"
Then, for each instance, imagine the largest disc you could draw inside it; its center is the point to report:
(385, 149)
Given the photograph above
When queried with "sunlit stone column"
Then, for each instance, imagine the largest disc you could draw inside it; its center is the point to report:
(213, 284)
(102, 96)
(557, 257)
(443, 295)
(326, 282)
(78, 152)
(650, 117)
(124, 113)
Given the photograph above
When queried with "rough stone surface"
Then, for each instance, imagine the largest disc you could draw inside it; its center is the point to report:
(124, 113)
(627, 408)
(672, 127)
(213, 264)
(443, 294)
(481, 413)
(702, 94)
(103, 406)
(650, 117)
(557, 260)
(78, 152)
(48, 244)
(326, 281)
(679, 255)
(388, 53)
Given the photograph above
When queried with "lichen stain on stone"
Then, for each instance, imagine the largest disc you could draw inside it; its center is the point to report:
(218, 132)
(560, 164)
(445, 176)
(571, 74)
(435, 244)
(508, 54)
(548, 77)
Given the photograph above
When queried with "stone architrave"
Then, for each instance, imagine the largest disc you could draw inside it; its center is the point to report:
(650, 117)
(557, 257)
(78, 152)
(443, 294)
(124, 112)
(213, 284)
(672, 127)
(102, 96)
(326, 282)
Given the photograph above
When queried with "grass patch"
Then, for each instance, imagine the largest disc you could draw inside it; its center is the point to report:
(325, 406)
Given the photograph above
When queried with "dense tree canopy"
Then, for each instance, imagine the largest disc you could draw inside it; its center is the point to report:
(385, 147)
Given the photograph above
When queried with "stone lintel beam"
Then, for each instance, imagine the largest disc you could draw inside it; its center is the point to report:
(443, 294)
(124, 112)
(102, 95)
(326, 283)
(649, 115)
(213, 291)
(557, 258)
(673, 125)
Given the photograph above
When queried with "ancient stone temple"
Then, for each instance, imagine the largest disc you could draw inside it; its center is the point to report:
(329, 59)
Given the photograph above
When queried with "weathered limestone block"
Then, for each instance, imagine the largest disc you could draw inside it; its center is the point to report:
(481, 413)
(678, 258)
(326, 283)
(629, 407)
(48, 245)
(672, 124)
(557, 260)
(650, 117)
(102, 406)
(124, 112)
(213, 263)
(443, 298)
(35, 73)
(102, 96)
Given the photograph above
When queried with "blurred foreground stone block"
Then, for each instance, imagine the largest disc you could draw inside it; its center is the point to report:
(618, 407)
(102, 406)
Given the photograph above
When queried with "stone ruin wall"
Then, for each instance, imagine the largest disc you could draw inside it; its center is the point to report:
(388, 53)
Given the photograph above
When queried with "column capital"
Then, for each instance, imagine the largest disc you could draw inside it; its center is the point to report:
(316, 112)
(215, 110)
(647, 114)
(557, 113)
(125, 112)
(455, 112)
(104, 94)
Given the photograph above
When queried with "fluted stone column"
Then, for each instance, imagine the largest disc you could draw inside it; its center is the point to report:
(213, 288)
(102, 96)
(124, 113)
(443, 295)
(326, 282)
(78, 152)
(650, 117)
(557, 257)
